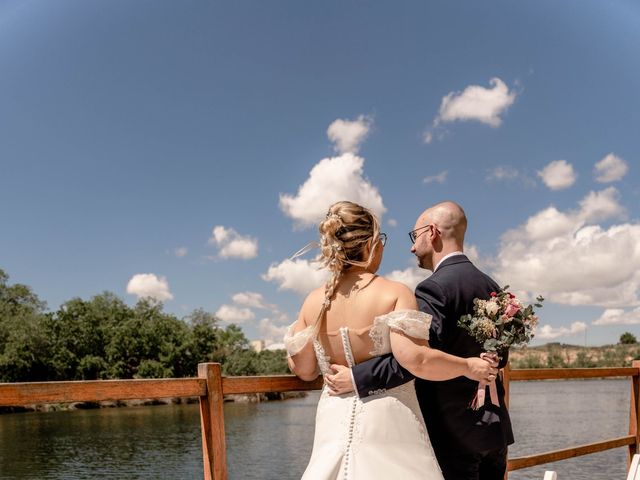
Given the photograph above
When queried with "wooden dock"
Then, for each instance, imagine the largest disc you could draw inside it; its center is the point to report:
(211, 386)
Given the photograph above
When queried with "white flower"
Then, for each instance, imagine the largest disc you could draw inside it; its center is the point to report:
(485, 327)
(491, 308)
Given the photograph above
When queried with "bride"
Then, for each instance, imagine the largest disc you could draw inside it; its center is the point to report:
(358, 315)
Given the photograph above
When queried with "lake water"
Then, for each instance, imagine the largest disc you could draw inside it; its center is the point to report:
(272, 440)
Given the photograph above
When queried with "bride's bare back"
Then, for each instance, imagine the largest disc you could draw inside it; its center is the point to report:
(357, 301)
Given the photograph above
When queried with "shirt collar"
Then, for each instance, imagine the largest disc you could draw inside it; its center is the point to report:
(452, 254)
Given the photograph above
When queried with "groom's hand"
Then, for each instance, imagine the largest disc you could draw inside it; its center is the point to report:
(340, 382)
(479, 369)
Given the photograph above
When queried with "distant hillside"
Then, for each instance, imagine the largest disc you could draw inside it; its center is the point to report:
(559, 355)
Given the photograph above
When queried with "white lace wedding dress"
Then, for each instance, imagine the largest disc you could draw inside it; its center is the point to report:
(382, 436)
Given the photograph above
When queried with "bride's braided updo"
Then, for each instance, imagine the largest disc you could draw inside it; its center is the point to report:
(346, 236)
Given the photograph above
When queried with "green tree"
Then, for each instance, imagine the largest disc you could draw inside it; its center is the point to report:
(80, 331)
(16, 301)
(628, 338)
(105, 338)
(24, 346)
(26, 352)
(148, 344)
(272, 362)
(204, 337)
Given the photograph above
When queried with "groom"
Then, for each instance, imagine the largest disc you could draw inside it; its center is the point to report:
(469, 444)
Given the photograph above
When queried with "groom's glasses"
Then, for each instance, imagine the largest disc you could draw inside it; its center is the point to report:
(413, 234)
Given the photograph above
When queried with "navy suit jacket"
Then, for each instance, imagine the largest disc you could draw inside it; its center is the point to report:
(447, 295)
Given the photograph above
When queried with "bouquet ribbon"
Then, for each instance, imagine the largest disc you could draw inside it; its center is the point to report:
(479, 399)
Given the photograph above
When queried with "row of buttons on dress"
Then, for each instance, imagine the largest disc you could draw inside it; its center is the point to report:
(352, 421)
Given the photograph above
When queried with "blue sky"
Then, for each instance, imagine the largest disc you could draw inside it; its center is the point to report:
(182, 149)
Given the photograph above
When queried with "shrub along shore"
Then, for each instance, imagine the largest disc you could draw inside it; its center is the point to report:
(559, 355)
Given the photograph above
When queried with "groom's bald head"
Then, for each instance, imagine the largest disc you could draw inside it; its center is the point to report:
(451, 221)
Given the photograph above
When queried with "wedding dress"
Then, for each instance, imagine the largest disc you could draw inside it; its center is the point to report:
(379, 437)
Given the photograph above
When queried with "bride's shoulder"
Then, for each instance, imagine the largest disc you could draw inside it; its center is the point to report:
(394, 286)
(398, 293)
(314, 299)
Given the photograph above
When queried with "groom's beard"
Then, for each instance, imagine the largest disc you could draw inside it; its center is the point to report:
(425, 262)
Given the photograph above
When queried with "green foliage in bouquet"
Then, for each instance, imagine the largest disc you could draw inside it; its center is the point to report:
(501, 321)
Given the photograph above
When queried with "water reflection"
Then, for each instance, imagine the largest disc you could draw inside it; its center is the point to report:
(137, 442)
(273, 440)
(560, 414)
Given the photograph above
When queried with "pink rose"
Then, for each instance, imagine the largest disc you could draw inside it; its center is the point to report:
(511, 310)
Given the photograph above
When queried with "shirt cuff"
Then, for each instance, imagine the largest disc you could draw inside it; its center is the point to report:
(353, 382)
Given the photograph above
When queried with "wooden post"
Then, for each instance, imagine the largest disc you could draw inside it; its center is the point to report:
(214, 450)
(506, 374)
(634, 412)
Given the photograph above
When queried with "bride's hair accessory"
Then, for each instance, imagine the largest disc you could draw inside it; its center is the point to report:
(333, 215)
(307, 248)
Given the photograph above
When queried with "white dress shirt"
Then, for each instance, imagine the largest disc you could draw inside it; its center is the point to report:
(447, 256)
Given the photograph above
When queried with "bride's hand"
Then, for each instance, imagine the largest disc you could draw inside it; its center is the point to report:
(340, 382)
(479, 369)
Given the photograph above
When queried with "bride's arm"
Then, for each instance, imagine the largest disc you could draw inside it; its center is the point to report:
(422, 361)
(302, 362)
(431, 364)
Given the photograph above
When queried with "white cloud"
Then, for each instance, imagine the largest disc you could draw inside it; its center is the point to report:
(392, 222)
(434, 133)
(511, 175)
(610, 169)
(600, 205)
(558, 175)
(233, 314)
(618, 316)
(347, 135)
(331, 180)
(410, 276)
(149, 285)
(298, 275)
(569, 259)
(233, 245)
(477, 103)
(503, 173)
(480, 261)
(439, 178)
(181, 252)
(251, 299)
(549, 332)
(270, 332)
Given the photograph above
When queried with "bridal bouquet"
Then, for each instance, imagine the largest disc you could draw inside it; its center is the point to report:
(497, 324)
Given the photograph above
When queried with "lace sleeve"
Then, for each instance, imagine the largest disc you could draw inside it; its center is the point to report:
(413, 323)
(410, 322)
(294, 342)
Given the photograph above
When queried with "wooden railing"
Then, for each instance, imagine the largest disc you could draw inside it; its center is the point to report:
(632, 440)
(210, 386)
